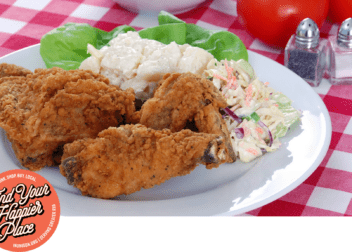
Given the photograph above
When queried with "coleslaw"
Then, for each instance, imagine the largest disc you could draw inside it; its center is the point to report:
(257, 115)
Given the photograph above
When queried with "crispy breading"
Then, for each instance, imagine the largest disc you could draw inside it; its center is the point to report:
(125, 159)
(8, 70)
(178, 98)
(187, 101)
(44, 110)
(209, 120)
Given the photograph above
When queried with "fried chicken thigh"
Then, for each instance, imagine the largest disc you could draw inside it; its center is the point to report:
(44, 110)
(126, 159)
(187, 100)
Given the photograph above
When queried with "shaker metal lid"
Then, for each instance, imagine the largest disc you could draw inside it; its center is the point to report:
(307, 34)
(344, 37)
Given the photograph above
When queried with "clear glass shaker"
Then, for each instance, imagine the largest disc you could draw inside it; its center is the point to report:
(340, 57)
(305, 52)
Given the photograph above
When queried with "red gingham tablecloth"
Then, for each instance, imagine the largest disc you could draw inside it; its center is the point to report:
(327, 192)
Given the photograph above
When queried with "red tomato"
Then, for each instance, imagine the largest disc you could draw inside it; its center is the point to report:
(274, 21)
(339, 10)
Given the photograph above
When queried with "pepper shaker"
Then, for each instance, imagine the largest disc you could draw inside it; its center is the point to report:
(305, 52)
(340, 57)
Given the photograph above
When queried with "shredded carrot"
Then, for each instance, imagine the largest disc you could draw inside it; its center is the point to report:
(219, 77)
(266, 83)
(234, 82)
(267, 99)
(276, 105)
(229, 83)
(229, 70)
(249, 93)
(252, 151)
(259, 130)
(260, 139)
(246, 130)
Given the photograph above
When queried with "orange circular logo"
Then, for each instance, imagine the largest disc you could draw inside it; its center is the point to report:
(29, 210)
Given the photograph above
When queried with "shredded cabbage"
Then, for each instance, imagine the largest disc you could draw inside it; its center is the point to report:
(266, 114)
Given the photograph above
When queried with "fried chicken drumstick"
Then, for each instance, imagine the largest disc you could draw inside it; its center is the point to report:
(125, 159)
(187, 100)
(42, 111)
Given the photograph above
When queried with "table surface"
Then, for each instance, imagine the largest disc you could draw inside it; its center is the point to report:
(327, 192)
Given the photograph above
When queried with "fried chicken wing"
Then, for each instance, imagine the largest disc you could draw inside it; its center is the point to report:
(7, 70)
(187, 100)
(43, 111)
(177, 99)
(209, 120)
(125, 159)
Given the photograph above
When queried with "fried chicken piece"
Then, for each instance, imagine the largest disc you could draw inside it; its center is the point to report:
(209, 120)
(177, 99)
(187, 100)
(43, 111)
(7, 70)
(126, 159)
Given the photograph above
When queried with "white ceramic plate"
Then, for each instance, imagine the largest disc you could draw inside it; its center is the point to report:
(228, 190)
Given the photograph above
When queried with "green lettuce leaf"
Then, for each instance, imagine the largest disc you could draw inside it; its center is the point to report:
(166, 33)
(165, 17)
(66, 46)
(104, 37)
(221, 44)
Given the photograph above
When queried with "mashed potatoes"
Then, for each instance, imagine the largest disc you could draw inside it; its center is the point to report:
(131, 61)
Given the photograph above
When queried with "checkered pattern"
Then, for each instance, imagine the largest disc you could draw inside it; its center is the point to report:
(327, 192)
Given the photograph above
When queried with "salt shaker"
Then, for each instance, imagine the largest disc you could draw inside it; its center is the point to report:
(340, 57)
(305, 52)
